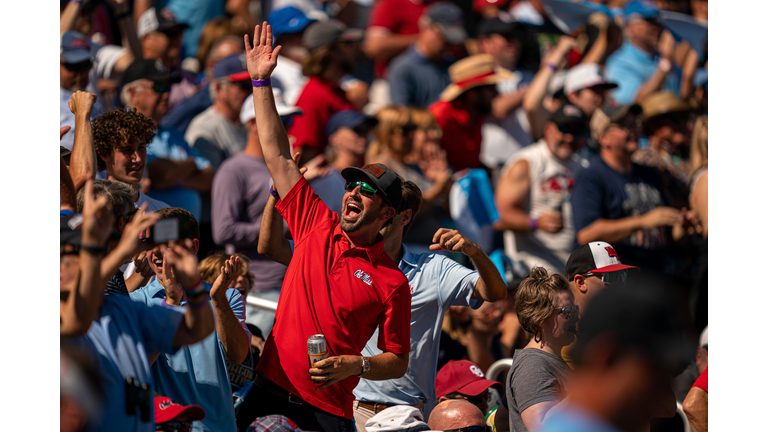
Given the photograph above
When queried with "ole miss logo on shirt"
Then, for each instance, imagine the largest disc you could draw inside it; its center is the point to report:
(363, 276)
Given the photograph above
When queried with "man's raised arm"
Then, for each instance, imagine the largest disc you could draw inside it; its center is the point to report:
(262, 60)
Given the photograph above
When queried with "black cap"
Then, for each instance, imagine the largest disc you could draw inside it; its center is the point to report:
(498, 25)
(384, 179)
(571, 118)
(153, 70)
(348, 118)
(637, 321)
(70, 230)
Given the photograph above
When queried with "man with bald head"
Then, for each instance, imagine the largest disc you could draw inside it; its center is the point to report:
(456, 414)
(182, 114)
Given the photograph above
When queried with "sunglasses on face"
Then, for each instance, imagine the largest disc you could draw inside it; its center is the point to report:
(471, 429)
(567, 311)
(405, 130)
(611, 277)
(244, 85)
(174, 426)
(474, 400)
(78, 67)
(576, 130)
(365, 189)
(161, 88)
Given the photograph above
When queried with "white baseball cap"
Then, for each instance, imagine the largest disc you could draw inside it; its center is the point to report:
(397, 418)
(594, 257)
(584, 76)
(247, 114)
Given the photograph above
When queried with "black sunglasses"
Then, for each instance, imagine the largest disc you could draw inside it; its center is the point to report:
(79, 67)
(474, 400)
(243, 85)
(174, 426)
(161, 88)
(610, 277)
(406, 129)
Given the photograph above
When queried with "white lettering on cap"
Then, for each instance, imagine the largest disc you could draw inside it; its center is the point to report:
(476, 370)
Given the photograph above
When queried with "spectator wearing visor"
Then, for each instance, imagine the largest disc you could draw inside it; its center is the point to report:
(420, 74)
(533, 194)
(177, 172)
(592, 268)
(643, 64)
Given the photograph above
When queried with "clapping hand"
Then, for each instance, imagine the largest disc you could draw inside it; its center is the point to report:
(229, 272)
(97, 218)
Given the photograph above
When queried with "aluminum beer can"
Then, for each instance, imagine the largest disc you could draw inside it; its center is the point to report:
(317, 348)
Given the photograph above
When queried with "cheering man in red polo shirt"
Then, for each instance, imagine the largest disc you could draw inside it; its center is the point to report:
(340, 283)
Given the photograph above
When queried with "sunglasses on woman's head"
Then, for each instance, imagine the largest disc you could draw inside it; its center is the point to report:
(365, 189)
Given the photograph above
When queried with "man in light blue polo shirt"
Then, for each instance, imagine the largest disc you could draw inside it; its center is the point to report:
(437, 283)
(197, 374)
(643, 64)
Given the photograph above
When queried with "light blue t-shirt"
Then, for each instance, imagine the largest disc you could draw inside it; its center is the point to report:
(572, 419)
(436, 283)
(195, 13)
(197, 374)
(170, 144)
(120, 340)
(630, 67)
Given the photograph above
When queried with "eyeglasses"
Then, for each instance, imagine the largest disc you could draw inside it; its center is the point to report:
(471, 429)
(406, 129)
(365, 189)
(174, 426)
(474, 400)
(567, 311)
(78, 67)
(610, 277)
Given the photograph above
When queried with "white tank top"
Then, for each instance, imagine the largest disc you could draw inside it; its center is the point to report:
(551, 182)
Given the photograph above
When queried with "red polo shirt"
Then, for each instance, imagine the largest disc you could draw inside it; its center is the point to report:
(702, 381)
(399, 17)
(461, 137)
(343, 293)
(319, 99)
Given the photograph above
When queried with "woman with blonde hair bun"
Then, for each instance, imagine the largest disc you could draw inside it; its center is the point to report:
(538, 378)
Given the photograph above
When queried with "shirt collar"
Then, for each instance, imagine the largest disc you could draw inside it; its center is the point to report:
(408, 258)
(372, 252)
(637, 52)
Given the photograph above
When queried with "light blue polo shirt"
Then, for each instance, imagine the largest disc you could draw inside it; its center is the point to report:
(630, 67)
(170, 144)
(197, 374)
(436, 283)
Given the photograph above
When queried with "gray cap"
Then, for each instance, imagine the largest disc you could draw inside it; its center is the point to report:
(449, 18)
(322, 33)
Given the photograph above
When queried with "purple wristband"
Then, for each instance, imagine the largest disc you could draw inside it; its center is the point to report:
(197, 305)
(551, 66)
(532, 224)
(261, 83)
(273, 192)
(76, 1)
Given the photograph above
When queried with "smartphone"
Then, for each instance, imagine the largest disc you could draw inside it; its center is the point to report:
(164, 230)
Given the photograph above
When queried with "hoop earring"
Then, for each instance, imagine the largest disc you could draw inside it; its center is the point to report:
(537, 336)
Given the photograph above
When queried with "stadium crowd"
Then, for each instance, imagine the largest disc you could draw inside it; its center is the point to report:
(493, 213)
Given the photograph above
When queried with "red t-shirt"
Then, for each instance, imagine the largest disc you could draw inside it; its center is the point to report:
(702, 381)
(339, 292)
(319, 99)
(400, 17)
(461, 138)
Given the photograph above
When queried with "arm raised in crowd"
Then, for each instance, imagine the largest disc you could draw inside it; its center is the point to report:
(82, 162)
(129, 246)
(67, 194)
(82, 305)
(130, 40)
(232, 336)
(512, 194)
(68, 17)
(262, 60)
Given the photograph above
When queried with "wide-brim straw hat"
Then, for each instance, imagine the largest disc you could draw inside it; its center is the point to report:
(470, 72)
(661, 103)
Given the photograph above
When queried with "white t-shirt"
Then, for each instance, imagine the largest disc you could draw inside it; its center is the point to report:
(103, 65)
(289, 77)
(551, 182)
(215, 137)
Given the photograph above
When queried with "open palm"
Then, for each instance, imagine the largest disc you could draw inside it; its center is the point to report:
(262, 59)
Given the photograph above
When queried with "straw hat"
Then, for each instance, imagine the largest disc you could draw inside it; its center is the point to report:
(661, 103)
(470, 72)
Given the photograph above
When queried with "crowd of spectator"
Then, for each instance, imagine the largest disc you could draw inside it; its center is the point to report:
(438, 187)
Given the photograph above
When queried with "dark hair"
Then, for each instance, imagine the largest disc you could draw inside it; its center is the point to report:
(536, 298)
(188, 227)
(116, 127)
(411, 201)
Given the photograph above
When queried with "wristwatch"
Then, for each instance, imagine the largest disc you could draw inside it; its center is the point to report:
(664, 65)
(366, 367)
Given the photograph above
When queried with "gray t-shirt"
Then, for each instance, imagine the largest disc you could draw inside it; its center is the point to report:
(215, 137)
(536, 376)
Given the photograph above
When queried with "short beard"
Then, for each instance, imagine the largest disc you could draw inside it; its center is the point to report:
(364, 220)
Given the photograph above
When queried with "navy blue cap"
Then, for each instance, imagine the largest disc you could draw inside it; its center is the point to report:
(75, 48)
(450, 19)
(234, 67)
(347, 118)
(644, 8)
(288, 20)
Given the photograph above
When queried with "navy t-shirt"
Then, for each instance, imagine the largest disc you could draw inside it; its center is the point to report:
(603, 193)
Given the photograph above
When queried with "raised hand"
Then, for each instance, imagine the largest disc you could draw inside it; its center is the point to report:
(262, 59)
(130, 243)
(229, 272)
(97, 218)
(453, 241)
(183, 263)
(81, 103)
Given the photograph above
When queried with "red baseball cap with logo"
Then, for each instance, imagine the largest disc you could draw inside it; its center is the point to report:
(167, 410)
(462, 376)
(594, 257)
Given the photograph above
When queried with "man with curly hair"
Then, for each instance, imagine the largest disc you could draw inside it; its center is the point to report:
(120, 137)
